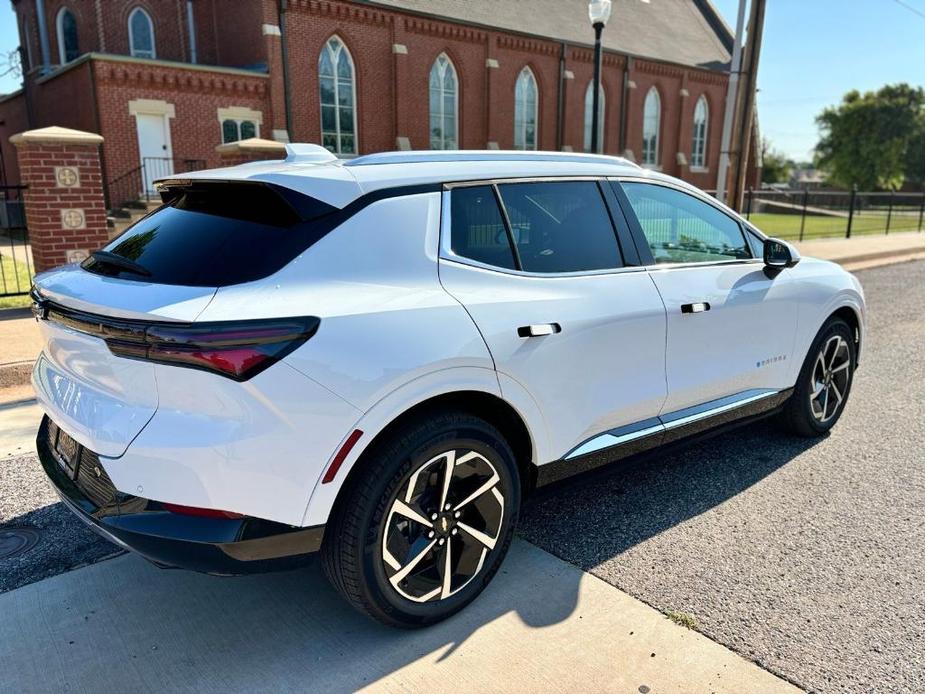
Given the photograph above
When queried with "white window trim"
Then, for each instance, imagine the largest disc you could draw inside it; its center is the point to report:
(59, 30)
(356, 106)
(588, 120)
(700, 165)
(237, 121)
(452, 69)
(131, 37)
(536, 111)
(653, 91)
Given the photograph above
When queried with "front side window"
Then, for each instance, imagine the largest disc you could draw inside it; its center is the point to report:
(560, 226)
(651, 124)
(68, 49)
(477, 229)
(679, 228)
(444, 106)
(234, 130)
(338, 98)
(525, 110)
(589, 115)
(699, 147)
(141, 34)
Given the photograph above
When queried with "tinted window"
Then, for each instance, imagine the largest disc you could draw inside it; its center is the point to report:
(679, 228)
(212, 235)
(477, 228)
(561, 227)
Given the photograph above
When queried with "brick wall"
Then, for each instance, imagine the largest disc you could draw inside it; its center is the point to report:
(391, 86)
(65, 213)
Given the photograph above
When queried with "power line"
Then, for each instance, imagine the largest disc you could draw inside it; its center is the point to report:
(909, 7)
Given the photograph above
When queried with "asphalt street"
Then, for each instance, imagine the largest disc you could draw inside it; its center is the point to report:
(804, 556)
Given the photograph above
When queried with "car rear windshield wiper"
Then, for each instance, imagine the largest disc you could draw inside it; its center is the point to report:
(121, 262)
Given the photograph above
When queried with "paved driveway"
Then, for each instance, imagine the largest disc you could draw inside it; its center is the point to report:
(806, 556)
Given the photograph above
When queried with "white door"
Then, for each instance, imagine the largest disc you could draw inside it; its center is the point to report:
(731, 326)
(154, 148)
(582, 334)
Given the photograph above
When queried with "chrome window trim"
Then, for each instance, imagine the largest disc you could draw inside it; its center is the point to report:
(446, 252)
(697, 194)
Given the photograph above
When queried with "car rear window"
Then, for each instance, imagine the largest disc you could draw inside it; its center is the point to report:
(216, 234)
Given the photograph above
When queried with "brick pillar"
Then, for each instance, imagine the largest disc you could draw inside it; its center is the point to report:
(65, 210)
(251, 149)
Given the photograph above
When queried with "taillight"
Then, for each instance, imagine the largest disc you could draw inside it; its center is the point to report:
(236, 349)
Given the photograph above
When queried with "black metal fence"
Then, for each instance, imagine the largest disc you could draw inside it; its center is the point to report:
(15, 251)
(812, 214)
(137, 185)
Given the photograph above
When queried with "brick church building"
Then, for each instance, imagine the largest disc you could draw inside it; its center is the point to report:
(167, 81)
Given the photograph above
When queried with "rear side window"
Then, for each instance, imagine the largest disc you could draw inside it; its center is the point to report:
(679, 228)
(214, 235)
(477, 228)
(554, 227)
(561, 226)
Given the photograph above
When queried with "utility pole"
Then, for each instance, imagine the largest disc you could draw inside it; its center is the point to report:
(731, 98)
(746, 101)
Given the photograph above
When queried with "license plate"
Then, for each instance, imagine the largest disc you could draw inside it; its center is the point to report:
(68, 450)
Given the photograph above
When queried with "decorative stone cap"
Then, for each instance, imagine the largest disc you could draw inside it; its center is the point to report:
(58, 135)
(253, 145)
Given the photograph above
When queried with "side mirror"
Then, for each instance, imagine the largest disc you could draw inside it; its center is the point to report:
(780, 254)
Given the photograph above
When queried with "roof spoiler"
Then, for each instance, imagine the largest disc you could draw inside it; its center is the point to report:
(305, 152)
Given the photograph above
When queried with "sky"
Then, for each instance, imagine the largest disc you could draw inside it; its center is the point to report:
(813, 52)
(816, 50)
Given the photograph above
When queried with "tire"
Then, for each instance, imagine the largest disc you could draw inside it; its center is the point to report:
(385, 514)
(824, 383)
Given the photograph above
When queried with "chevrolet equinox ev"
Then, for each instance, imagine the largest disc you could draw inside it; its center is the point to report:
(379, 359)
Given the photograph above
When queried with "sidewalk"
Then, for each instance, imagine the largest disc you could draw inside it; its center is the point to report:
(543, 625)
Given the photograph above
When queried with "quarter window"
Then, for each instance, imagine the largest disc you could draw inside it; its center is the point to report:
(338, 98)
(477, 228)
(141, 34)
(444, 89)
(699, 148)
(679, 228)
(560, 226)
(68, 49)
(651, 124)
(525, 110)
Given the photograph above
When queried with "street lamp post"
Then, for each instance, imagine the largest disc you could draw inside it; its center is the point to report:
(598, 13)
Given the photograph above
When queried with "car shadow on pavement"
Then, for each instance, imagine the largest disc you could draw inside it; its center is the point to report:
(590, 519)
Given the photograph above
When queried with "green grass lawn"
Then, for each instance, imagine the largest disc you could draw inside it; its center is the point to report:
(787, 226)
(12, 272)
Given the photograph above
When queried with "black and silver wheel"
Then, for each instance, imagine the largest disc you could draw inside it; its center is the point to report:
(422, 528)
(824, 383)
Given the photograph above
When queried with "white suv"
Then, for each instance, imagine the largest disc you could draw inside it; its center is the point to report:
(379, 359)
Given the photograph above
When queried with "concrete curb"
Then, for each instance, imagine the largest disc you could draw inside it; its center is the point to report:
(15, 373)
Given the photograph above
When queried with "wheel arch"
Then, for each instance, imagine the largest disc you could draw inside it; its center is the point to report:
(472, 394)
(853, 319)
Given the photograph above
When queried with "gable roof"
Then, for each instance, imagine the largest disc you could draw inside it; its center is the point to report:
(688, 32)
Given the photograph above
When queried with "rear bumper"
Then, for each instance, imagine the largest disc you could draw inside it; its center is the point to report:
(224, 546)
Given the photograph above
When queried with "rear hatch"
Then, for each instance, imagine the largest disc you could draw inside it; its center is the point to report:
(109, 320)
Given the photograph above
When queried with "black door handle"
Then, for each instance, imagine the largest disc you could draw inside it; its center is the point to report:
(539, 329)
(698, 307)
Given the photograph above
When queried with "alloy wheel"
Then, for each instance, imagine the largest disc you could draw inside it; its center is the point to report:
(442, 525)
(830, 379)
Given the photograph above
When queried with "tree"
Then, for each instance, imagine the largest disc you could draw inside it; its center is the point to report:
(775, 166)
(868, 139)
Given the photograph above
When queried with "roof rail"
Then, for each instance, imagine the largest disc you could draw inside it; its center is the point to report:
(306, 152)
(425, 156)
